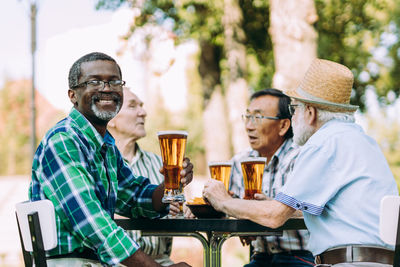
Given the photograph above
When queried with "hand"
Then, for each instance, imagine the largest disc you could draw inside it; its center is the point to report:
(187, 212)
(246, 240)
(260, 196)
(215, 193)
(187, 172)
(180, 264)
(231, 193)
(174, 209)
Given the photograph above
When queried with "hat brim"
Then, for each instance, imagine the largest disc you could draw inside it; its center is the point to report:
(320, 103)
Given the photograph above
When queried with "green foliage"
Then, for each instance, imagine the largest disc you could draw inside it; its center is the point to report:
(386, 132)
(350, 32)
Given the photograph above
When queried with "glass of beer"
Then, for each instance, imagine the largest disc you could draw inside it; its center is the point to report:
(172, 146)
(253, 170)
(221, 171)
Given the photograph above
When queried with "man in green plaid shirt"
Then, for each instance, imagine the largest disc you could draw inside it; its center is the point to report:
(79, 168)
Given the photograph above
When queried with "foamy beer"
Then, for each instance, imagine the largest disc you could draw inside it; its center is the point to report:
(221, 171)
(253, 170)
(172, 146)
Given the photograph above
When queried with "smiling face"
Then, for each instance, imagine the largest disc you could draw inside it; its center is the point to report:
(130, 120)
(267, 136)
(97, 105)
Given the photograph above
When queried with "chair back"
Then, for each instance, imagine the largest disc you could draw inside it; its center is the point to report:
(37, 227)
(389, 224)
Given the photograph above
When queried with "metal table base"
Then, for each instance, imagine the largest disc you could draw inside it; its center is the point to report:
(217, 231)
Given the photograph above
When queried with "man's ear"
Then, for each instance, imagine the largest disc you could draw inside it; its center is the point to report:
(72, 96)
(311, 115)
(284, 126)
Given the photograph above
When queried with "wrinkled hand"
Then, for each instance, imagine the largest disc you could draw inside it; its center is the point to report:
(180, 264)
(174, 208)
(260, 196)
(246, 240)
(231, 193)
(215, 193)
(187, 212)
(187, 172)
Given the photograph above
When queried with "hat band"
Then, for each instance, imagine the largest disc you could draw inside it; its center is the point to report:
(314, 99)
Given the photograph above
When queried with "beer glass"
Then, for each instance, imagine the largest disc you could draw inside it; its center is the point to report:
(221, 171)
(253, 170)
(172, 146)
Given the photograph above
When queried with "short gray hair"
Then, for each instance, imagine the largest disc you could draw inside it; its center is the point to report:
(75, 70)
(324, 116)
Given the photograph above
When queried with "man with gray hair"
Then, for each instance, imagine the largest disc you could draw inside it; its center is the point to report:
(338, 165)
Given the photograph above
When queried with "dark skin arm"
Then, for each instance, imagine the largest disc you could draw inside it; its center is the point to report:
(139, 258)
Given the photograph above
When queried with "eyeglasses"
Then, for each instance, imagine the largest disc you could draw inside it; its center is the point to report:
(292, 108)
(256, 119)
(99, 85)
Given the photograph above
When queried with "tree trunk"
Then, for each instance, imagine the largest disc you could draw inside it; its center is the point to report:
(294, 40)
(216, 132)
(216, 128)
(236, 93)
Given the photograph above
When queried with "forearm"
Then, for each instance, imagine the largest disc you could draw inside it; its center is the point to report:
(270, 213)
(139, 258)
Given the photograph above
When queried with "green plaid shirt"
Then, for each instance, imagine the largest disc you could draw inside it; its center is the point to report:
(87, 180)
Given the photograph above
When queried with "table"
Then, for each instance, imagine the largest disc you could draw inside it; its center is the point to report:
(217, 231)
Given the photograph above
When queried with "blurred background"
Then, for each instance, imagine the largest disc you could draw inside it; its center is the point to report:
(194, 63)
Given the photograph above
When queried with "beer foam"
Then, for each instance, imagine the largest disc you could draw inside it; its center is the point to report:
(255, 159)
(219, 163)
(172, 132)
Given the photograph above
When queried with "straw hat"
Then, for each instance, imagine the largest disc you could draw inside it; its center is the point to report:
(326, 85)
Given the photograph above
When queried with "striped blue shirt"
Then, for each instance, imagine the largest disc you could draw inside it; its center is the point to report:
(274, 177)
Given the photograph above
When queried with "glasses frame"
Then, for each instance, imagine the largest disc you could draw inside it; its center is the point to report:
(292, 108)
(102, 84)
(256, 119)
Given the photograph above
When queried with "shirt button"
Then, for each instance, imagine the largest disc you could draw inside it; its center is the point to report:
(305, 208)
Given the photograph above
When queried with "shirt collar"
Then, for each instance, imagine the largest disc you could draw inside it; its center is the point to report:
(89, 131)
(137, 155)
(286, 145)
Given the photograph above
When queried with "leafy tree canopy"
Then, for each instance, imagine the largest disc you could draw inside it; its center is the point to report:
(361, 34)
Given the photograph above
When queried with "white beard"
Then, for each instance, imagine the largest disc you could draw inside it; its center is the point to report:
(105, 115)
(301, 132)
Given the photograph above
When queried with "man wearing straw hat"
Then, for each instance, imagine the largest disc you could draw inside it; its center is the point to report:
(267, 123)
(338, 180)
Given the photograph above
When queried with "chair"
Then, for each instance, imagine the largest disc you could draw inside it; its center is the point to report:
(389, 224)
(37, 230)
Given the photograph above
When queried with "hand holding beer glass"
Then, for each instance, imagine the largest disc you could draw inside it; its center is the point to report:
(172, 146)
(221, 171)
(253, 170)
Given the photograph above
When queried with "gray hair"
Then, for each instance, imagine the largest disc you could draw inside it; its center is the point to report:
(324, 116)
(75, 70)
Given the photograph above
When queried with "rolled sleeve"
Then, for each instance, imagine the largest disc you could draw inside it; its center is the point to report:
(299, 205)
(309, 186)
